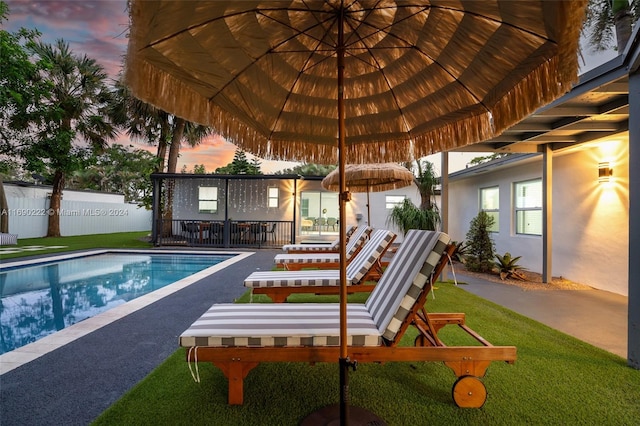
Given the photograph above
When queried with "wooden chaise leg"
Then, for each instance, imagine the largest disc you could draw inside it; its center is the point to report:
(468, 367)
(235, 372)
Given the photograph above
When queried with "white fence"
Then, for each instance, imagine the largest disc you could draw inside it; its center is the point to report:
(28, 217)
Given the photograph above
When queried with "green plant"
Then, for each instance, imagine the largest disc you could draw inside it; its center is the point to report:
(480, 245)
(407, 216)
(462, 251)
(508, 266)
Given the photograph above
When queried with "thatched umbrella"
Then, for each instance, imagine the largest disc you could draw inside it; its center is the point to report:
(376, 177)
(356, 81)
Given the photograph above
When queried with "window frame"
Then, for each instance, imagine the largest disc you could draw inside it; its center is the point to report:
(202, 199)
(523, 211)
(273, 201)
(389, 205)
(493, 212)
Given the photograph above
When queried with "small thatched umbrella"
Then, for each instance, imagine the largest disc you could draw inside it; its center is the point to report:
(376, 177)
(356, 81)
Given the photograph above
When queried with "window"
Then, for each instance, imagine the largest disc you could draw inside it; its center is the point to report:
(208, 199)
(528, 203)
(272, 194)
(393, 200)
(490, 204)
(316, 208)
(304, 207)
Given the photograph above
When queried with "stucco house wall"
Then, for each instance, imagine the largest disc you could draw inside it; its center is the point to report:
(379, 211)
(589, 219)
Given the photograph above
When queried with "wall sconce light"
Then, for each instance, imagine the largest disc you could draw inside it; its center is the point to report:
(605, 171)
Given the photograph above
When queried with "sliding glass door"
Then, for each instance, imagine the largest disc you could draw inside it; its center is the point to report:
(319, 213)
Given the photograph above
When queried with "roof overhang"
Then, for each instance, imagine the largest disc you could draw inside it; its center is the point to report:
(597, 108)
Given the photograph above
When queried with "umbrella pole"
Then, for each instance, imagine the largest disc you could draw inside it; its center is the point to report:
(326, 416)
(368, 207)
(344, 359)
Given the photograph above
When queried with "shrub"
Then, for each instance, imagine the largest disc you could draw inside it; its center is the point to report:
(508, 266)
(462, 250)
(407, 216)
(480, 246)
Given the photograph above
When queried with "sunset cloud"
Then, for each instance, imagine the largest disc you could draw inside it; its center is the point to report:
(93, 28)
(98, 29)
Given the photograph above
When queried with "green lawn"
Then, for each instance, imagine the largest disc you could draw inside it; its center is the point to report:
(557, 380)
(80, 242)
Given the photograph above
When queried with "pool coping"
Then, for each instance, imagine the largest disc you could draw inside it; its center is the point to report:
(27, 353)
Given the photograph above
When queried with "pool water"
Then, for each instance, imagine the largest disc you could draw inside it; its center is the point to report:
(38, 300)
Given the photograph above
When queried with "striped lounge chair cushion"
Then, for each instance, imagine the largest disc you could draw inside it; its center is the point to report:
(269, 325)
(333, 246)
(371, 253)
(404, 279)
(307, 258)
(354, 244)
(356, 270)
(304, 278)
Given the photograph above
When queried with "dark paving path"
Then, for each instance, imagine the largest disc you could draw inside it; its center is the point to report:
(594, 316)
(74, 384)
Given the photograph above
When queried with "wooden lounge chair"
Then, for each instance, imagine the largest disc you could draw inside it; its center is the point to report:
(238, 337)
(278, 285)
(331, 247)
(323, 260)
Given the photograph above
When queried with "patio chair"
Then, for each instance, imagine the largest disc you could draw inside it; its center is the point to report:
(298, 261)
(271, 231)
(216, 233)
(278, 285)
(190, 230)
(331, 247)
(239, 233)
(254, 233)
(238, 337)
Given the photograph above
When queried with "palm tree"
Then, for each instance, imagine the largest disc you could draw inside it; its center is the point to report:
(603, 16)
(146, 123)
(78, 107)
(143, 122)
(427, 216)
(426, 181)
(184, 131)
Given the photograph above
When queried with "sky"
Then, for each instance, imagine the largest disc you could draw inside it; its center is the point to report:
(98, 29)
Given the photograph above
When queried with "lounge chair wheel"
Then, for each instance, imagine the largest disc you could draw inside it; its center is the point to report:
(469, 392)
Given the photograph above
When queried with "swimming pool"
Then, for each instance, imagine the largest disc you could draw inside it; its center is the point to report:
(42, 297)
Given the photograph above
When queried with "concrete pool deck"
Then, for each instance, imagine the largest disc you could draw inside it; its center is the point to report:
(74, 384)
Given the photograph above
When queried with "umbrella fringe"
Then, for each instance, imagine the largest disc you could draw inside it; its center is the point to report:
(551, 79)
(158, 88)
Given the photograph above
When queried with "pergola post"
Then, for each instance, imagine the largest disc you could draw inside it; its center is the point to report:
(633, 350)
